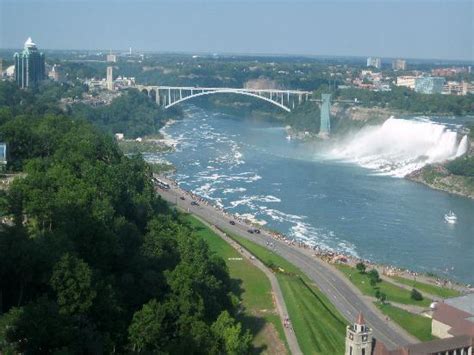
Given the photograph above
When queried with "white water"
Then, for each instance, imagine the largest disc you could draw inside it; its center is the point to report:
(463, 147)
(400, 146)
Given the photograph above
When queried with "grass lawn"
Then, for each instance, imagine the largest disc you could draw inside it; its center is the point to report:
(394, 293)
(319, 327)
(252, 286)
(424, 287)
(415, 324)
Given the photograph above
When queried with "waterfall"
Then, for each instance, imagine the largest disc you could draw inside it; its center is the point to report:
(463, 146)
(400, 146)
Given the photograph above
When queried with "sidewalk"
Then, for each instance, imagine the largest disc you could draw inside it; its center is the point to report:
(278, 295)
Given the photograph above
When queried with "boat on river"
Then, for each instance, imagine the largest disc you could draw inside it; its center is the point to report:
(450, 217)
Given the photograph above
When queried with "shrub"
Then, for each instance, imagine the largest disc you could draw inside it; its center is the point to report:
(416, 295)
(361, 267)
(374, 275)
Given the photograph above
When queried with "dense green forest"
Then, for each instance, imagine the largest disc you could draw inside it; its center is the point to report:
(132, 113)
(92, 261)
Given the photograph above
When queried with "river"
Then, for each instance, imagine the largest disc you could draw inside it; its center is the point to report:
(302, 190)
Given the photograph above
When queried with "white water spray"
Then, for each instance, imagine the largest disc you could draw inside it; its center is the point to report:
(463, 147)
(400, 146)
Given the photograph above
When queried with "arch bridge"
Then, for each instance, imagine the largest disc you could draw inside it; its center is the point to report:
(168, 96)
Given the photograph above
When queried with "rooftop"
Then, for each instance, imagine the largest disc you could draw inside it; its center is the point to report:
(29, 43)
(464, 303)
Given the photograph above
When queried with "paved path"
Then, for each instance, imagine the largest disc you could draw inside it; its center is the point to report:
(409, 288)
(278, 295)
(340, 291)
(407, 307)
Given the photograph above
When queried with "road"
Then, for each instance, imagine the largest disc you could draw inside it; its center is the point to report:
(276, 290)
(340, 291)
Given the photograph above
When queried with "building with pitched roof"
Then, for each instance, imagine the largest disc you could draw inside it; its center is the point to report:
(452, 323)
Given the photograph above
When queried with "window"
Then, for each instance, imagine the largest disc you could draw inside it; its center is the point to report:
(350, 350)
(3, 152)
(363, 351)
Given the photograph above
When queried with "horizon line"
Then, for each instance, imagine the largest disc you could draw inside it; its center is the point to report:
(249, 54)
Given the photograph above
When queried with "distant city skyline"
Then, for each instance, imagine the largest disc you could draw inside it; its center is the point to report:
(389, 29)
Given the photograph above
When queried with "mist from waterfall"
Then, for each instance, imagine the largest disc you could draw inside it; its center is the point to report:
(400, 146)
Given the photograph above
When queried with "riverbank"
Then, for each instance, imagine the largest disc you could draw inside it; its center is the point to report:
(438, 177)
(343, 295)
(150, 146)
(330, 256)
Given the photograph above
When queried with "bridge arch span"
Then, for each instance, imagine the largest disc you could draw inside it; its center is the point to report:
(239, 92)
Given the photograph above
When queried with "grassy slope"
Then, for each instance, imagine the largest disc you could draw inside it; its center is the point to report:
(424, 287)
(319, 327)
(394, 293)
(249, 282)
(415, 324)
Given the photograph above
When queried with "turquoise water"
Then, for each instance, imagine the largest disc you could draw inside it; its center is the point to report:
(250, 168)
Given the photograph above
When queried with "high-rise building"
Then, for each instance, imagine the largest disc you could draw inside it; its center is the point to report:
(399, 64)
(358, 338)
(374, 62)
(429, 85)
(29, 65)
(110, 78)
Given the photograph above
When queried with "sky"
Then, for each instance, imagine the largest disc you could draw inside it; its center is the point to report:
(387, 28)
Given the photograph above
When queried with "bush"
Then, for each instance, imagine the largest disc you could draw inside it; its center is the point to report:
(361, 267)
(463, 166)
(416, 295)
(374, 275)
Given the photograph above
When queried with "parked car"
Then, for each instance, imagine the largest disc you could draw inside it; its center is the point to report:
(194, 203)
(182, 198)
(232, 222)
(257, 231)
(250, 231)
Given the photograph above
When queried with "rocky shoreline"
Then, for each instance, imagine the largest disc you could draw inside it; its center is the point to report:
(438, 177)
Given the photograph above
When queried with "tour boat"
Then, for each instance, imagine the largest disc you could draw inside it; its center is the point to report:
(288, 137)
(450, 217)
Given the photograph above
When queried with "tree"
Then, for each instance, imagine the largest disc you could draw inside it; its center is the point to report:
(151, 327)
(361, 267)
(382, 298)
(72, 281)
(232, 338)
(95, 262)
(372, 282)
(416, 295)
(374, 275)
(37, 328)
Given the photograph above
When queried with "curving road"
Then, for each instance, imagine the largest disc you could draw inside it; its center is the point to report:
(340, 291)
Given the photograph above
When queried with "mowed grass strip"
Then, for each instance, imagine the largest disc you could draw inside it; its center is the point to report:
(319, 327)
(417, 325)
(249, 282)
(443, 292)
(393, 292)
